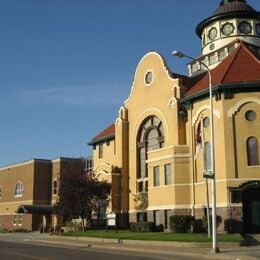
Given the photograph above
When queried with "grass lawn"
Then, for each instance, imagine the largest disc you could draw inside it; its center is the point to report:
(156, 236)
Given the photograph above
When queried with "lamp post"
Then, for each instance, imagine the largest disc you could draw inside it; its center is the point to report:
(211, 172)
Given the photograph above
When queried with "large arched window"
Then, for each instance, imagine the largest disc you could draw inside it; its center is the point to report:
(252, 151)
(18, 189)
(150, 137)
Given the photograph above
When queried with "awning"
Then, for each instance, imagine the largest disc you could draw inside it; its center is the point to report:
(35, 209)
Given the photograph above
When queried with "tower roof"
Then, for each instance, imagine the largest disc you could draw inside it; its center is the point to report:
(240, 67)
(229, 9)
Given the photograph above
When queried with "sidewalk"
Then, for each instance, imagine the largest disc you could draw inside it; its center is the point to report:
(189, 250)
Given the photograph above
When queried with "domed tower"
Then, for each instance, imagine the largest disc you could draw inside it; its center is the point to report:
(232, 21)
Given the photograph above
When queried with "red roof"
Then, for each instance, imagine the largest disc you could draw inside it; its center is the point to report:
(240, 66)
(107, 132)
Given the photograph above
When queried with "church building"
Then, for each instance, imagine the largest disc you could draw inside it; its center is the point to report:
(157, 152)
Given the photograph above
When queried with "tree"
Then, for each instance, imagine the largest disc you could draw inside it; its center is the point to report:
(79, 192)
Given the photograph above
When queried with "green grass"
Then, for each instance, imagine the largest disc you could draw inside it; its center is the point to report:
(155, 236)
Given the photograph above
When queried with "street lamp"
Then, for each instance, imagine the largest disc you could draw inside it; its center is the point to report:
(211, 172)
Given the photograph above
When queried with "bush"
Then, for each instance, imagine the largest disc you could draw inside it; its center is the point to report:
(198, 226)
(205, 222)
(142, 227)
(181, 223)
(233, 226)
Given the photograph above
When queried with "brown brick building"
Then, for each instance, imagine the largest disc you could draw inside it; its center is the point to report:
(28, 191)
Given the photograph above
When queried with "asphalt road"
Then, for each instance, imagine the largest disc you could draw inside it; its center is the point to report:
(22, 251)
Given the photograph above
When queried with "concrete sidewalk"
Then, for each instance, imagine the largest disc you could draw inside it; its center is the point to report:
(160, 248)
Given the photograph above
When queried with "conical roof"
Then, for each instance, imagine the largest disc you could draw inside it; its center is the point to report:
(229, 9)
(231, 6)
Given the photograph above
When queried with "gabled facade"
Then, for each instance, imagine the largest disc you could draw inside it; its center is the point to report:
(158, 148)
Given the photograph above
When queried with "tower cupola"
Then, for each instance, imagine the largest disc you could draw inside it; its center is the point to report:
(232, 20)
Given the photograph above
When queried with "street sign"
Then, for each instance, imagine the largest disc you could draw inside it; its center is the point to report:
(111, 219)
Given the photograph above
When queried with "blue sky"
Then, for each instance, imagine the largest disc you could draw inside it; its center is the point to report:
(66, 66)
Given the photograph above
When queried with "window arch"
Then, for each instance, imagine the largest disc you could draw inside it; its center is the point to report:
(18, 189)
(150, 137)
(252, 149)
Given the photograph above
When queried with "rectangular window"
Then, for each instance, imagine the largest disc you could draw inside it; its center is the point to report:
(140, 186)
(212, 59)
(231, 48)
(194, 67)
(167, 174)
(167, 214)
(221, 55)
(102, 213)
(157, 217)
(15, 220)
(156, 176)
(100, 151)
(20, 220)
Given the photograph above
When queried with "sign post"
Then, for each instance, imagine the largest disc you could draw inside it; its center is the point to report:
(111, 221)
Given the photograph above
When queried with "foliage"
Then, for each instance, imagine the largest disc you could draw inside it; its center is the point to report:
(155, 236)
(142, 227)
(205, 222)
(233, 226)
(141, 201)
(79, 192)
(181, 223)
(198, 226)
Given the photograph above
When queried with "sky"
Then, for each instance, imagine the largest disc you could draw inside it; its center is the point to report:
(66, 66)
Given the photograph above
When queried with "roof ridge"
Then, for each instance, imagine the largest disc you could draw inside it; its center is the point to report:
(250, 52)
(232, 59)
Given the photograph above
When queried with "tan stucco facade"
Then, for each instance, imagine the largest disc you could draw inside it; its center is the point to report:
(187, 192)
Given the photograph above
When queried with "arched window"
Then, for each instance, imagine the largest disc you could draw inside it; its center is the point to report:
(252, 149)
(1, 192)
(150, 137)
(18, 189)
(55, 187)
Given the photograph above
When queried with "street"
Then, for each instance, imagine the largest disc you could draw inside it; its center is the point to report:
(24, 247)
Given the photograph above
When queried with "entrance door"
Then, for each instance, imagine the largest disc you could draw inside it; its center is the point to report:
(251, 210)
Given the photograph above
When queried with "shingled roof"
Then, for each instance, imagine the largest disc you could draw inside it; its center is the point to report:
(241, 66)
(107, 134)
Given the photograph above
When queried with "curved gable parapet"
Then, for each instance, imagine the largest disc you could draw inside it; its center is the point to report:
(149, 71)
(103, 167)
(233, 110)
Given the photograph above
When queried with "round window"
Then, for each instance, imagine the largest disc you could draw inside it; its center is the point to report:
(206, 122)
(245, 27)
(228, 28)
(250, 115)
(148, 77)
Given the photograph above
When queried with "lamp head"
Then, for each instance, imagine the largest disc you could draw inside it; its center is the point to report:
(178, 54)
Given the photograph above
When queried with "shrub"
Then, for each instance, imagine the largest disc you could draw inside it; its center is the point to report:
(181, 223)
(159, 228)
(198, 226)
(233, 226)
(205, 222)
(142, 227)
